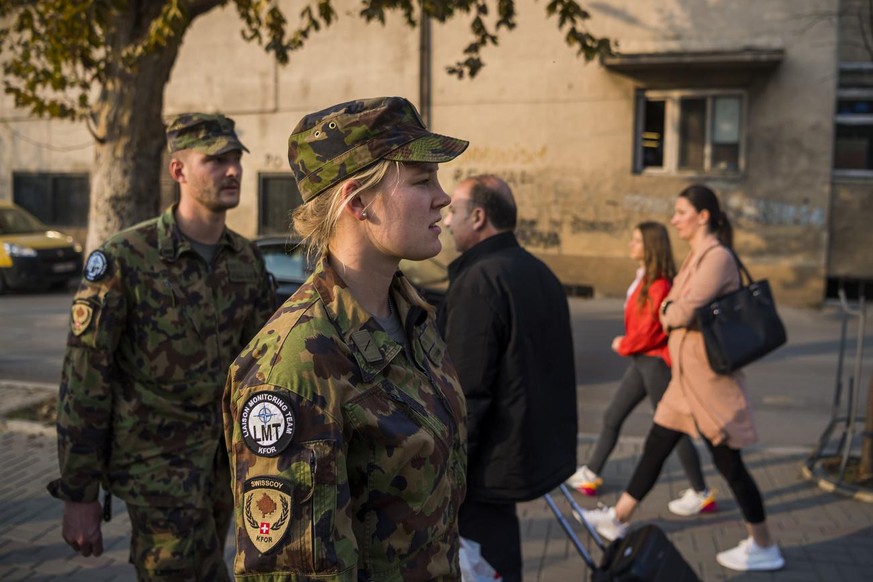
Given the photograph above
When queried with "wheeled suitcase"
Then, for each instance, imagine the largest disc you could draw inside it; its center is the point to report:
(644, 555)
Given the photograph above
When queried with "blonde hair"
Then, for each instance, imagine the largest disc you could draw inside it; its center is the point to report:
(315, 221)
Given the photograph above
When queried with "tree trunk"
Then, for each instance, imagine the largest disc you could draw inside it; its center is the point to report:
(125, 179)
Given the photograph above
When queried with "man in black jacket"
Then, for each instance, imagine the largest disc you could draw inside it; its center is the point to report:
(506, 320)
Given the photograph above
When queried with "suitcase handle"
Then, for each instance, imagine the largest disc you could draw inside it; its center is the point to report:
(577, 511)
(569, 531)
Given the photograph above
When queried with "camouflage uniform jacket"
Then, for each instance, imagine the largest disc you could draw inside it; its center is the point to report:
(139, 409)
(348, 450)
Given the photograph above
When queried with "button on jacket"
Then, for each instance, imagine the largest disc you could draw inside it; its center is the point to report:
(374, 472)
(507, 324)
(139, 405)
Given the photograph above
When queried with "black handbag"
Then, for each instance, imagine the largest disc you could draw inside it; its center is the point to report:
(742, 326)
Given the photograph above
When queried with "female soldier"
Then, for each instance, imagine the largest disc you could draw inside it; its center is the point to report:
(699, 401)
(344, 415)
(649, 370)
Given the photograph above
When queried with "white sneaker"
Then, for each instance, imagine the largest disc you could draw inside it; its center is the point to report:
(690, 502)
(750, 556)
(585, 481)
(604, 521)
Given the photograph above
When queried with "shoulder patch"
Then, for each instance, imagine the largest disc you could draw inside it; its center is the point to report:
(267, 505)
(80, 317)
(96, 266)
(267, 423)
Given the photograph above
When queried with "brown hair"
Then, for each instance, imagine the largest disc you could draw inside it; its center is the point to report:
(657, 257)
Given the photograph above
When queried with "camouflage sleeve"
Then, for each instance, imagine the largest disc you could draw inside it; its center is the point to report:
(85, 397)
(291, 489)
(266, 302)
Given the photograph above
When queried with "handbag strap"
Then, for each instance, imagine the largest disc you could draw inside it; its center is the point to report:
(741, 268)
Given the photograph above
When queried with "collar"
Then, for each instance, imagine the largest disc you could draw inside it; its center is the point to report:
(490, 245)
(172, 243)
(709, 243)
(371, 346)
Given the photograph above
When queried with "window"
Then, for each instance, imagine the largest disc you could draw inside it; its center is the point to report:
(277, 197)
(853, 144)
(689, 132)
(56, 199)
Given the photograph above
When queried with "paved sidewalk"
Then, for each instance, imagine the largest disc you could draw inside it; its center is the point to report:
(824, 537)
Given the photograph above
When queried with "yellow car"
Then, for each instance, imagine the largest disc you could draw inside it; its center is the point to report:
(32, 256)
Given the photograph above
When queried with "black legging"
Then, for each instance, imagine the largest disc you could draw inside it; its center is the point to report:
(729, 462)
(646, 375)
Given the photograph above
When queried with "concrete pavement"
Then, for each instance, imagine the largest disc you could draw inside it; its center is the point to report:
(824, 537)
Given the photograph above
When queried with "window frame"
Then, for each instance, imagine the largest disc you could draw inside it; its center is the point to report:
(672, 99)
(263, 177)
(53, 182)
(850, 119)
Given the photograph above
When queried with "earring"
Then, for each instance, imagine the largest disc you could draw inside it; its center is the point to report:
(364, 214)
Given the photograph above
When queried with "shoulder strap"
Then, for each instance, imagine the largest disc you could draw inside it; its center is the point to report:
(741, 268)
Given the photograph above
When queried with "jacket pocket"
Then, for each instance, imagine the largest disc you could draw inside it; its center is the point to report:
(166, 324)
(293, 512)
(403, 479)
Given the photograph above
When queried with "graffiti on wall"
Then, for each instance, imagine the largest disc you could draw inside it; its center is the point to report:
(653, 206)
(531, 234)
(515, 178)
(774, 213)
(556, 209)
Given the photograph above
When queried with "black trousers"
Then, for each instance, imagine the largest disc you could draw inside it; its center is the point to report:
(728, 461)
(495, 527)
(645, 376)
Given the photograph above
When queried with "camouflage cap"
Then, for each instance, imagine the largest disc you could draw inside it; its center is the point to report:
(330, 145)
(207, 133)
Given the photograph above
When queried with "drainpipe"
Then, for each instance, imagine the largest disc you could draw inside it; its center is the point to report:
(424, 72)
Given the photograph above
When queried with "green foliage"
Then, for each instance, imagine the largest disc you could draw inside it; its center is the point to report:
(57, 52)
(54, 48)
(572, 17)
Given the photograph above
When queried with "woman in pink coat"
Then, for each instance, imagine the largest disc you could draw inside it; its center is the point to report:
(699, 402)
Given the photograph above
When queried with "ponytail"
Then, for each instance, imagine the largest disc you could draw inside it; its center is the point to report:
(724, 231)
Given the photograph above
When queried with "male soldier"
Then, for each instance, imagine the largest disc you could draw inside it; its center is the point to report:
(507, 325)
(163, 309)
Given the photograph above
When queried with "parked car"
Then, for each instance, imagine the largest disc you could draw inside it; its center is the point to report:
(429, 276)
(33, 256)
(285, 258)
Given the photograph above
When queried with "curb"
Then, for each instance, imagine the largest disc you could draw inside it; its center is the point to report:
(815, 474)
(27, 427)
(24, 384)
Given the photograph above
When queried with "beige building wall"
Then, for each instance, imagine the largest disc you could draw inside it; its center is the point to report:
(563, 132)
(560, 131)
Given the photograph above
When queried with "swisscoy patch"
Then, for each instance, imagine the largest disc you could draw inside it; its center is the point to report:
(267, 506)
(96, 266)
(267, 423)
(80, 317)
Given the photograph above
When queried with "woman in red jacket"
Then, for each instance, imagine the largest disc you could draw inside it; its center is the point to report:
(645, 343)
